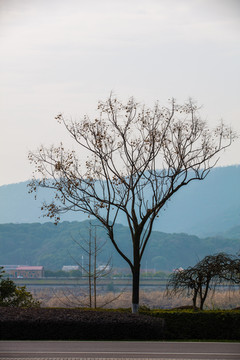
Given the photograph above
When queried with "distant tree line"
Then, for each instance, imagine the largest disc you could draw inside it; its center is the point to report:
(61, 273)
(49, 245)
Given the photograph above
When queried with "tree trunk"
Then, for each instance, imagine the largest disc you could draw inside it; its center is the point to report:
(90, 266)
(135, 287)
(95, 271)
(194, 299)
(204, 295)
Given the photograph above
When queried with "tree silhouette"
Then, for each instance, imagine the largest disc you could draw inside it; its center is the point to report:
(204, 276)
(138, 158)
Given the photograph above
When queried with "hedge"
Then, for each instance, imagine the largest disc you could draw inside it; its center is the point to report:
(78, 324)
(204, 325)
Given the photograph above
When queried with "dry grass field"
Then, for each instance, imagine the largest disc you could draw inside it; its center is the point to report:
(69, 297)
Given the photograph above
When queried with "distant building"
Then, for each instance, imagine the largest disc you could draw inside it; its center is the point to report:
(30, 271)
(22, 271)
(10, 270)
(68, 268)
(178, 269)
(104, 268)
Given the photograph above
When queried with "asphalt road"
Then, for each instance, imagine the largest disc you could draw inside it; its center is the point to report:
(118, 350)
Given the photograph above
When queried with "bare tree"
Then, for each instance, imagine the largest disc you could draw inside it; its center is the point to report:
(92, 248)
(138, 159)
(204, 276)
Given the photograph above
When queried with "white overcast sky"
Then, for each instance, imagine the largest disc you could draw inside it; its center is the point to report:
(65, 55)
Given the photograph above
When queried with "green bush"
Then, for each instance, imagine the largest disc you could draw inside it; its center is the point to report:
(204, 325)
(88, 324)
(15, 296)
(76, 324)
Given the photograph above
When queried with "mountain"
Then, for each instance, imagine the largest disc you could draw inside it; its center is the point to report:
(54, 246)
(233, 233)
(203, 208)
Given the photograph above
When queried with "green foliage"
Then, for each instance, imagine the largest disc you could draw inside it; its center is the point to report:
(76, 324)
(7, 292)
(103, 324)
(15, 296)
(204, 325)
(61, 273)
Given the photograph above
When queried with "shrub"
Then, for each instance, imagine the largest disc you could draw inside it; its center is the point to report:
(204, 325)
(15, 296)
(75, 324)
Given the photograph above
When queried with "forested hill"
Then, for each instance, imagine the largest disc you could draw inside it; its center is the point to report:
(202, 208)
(53, 246)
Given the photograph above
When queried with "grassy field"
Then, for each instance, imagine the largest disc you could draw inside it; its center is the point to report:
(115, 292)
(78, 297)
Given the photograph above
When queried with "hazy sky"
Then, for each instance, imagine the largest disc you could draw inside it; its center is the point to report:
(65, 55)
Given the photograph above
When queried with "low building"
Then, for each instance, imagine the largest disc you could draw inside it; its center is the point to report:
(22, 271)
(30, 271)
(68, 268)
(104, 268)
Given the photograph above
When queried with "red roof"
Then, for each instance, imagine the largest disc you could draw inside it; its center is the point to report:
(30, 268)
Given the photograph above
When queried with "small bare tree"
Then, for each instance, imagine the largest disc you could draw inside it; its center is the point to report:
(92, 248)
(204, 276)
(138, 159)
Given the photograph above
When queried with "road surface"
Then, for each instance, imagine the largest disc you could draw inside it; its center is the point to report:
(117, 350)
